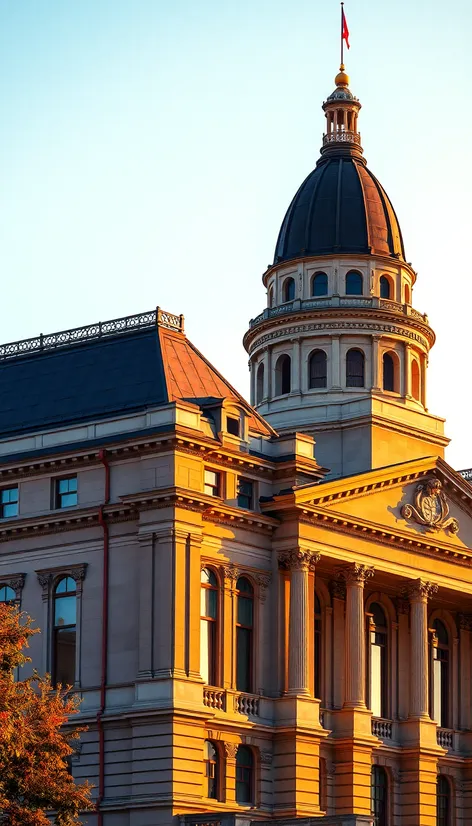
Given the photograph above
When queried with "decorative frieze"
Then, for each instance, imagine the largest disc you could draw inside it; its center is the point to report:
(430, 507)
(266, 758)
(355, 573)
(420, 590)
(263, 580)
(298, 560)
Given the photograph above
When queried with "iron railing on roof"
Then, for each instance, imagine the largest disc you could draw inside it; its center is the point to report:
(102, 329)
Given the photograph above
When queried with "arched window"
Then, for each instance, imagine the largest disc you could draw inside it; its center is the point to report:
(441, 660)
(388, 372)
(271, 296)
(319, 285)
(288, 289)
(211, 770)
(378, 661)
(260, 384)
(384, 287)
(244, 628)
(318, 647)
(379, 795)
(354, 284)
(208, 626)
(355, 365)
(65, 612)
(443, 801)
(407, 294)
(317, 369)
(415, 380)
(7, 594)
(244, 775)
(283, 377)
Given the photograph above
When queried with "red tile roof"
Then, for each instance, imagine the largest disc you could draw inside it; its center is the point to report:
(190, 376)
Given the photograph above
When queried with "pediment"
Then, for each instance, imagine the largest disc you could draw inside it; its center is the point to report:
(421, 503)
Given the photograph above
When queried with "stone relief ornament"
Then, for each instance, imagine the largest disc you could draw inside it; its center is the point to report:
(430, 507)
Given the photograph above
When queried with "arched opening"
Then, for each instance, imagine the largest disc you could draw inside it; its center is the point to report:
(354, 284)
(378, 661)
(65, 613)
(283, 375)
(318, 647)
(7, 594)
(319, 284)
(441, 666)
(317, 369)
(379, 795)
(244, 636)
(260, 384)
(355, 368)
(415, 380)
(385, 291)
(211, 770)
(407, 294)
(388, 372)
(271, 297)
(443, 801)
(208, 626)
(244, 775)
(288, 289)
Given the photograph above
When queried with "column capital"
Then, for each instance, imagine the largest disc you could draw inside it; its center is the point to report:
(420, 590)
(355, 574)
(465, 622)
(338, 589)
(231, 572)
(298, 560)
(230, 750)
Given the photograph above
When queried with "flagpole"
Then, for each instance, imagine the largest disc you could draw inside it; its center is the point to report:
(342, 40)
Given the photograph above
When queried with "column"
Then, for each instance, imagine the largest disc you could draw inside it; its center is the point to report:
(335, 363)
(146, 603)
(375, 363)
(295, 383)
(418, 593)
(299, 562)
(269, 378)
(265, 389)
(465, 627)
(355, 577)
(406, 372)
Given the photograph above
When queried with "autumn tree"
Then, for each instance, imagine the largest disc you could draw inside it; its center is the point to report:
(35, 742)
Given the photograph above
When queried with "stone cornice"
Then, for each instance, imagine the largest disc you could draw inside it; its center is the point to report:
(359, 320)
(382, 535)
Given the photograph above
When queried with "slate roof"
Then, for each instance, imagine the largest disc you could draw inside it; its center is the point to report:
(102, 371)
(340, 208)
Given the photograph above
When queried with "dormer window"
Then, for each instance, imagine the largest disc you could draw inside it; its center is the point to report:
(233, 426)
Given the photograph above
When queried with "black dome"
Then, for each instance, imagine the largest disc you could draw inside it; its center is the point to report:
(340, 208)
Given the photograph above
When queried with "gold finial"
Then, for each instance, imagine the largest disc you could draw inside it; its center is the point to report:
(341, 79)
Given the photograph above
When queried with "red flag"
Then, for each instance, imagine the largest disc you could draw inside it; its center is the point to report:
(345, 30)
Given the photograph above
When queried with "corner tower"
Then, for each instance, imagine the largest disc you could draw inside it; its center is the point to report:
(340, 352)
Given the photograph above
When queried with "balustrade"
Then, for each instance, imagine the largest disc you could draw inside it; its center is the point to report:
(247, 704)
(445, 738)
(214, 698)
(361, 302)
(382, 728)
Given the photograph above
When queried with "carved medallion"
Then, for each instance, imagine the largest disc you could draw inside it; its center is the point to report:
(430, 507)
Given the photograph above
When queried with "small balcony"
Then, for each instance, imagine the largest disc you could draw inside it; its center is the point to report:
(221, 699)
(383, 729)
(359, 302)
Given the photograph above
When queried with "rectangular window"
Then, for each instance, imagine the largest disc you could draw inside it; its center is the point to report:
(8, 502)
(245, 494)
(232, 426)
(66, 492)
(212, 483)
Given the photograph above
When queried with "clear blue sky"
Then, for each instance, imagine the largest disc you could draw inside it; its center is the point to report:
(149, 150)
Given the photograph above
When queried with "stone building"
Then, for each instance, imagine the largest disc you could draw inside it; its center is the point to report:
(266, 609)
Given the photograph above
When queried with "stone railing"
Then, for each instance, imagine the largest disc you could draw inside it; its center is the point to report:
(247, 704)
(360, 302)
(214, 698)
(341, 136)
(382, 728)
(445, 738)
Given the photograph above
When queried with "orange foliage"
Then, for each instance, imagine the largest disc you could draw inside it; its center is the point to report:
(34, 746)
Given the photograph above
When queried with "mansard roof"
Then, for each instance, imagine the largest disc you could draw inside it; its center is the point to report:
(104, 370)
